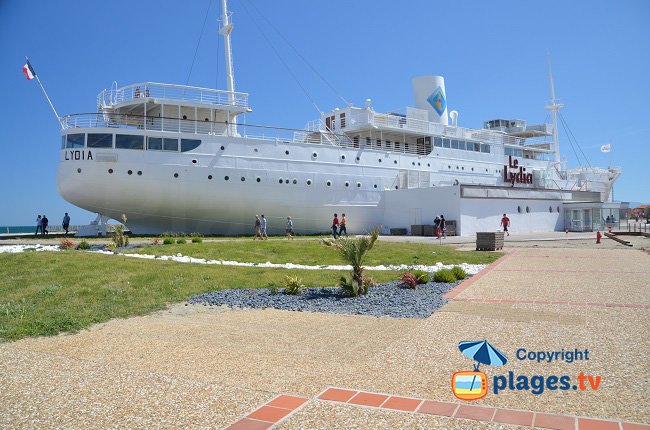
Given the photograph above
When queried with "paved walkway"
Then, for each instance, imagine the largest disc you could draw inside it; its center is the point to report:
(201, 367)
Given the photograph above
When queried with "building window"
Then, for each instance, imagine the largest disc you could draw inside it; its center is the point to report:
(100, 140)
(128, 141)
(75, 140)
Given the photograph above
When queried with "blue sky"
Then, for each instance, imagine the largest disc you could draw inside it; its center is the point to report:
(492, 54)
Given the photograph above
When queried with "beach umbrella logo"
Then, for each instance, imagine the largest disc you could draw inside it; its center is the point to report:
(473, 384)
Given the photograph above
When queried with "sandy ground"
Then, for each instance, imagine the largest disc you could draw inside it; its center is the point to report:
(203, 367)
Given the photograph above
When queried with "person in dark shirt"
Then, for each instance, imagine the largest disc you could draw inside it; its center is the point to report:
(335, 225)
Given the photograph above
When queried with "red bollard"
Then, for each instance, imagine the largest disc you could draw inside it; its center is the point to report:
(598, 236)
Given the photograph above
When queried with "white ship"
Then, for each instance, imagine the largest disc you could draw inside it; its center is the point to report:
(176, 158)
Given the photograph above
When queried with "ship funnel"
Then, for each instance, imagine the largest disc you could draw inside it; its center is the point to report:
(429, 94)
(453, 115)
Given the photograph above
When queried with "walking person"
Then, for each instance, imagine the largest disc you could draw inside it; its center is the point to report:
(263, 235)
(335, 225)
(45, 223)
(436, 227)
(289, 228)
(443, 226)
(505, 222)
(66, 223)
(258, 228)
(342, 226)
(39, 225)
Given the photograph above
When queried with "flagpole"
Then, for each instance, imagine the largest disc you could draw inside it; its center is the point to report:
(58, 118)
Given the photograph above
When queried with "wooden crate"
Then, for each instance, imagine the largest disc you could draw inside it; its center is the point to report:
(428, 230)
(398, 232)
(489, 241)
(416, 230)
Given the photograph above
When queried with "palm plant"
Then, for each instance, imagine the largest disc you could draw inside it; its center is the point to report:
(354, 251)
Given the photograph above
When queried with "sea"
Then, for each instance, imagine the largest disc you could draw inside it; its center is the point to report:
(17, 229)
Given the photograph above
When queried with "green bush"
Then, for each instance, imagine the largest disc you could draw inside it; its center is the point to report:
(421, 276)
(197, 239)
(293, 285)
(273, 288)
(409, 280)
(444, 275)
(83, 245)
(458, 272)
(168, 241)
(181, 240)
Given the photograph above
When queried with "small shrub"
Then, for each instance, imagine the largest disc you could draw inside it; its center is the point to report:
(119, 236)
(458, 272)
(83, 245)
(368, 281)
(273, 288)
(293, 285)
(421, 276)
(66, 244)
(444, 275)
(349, 288)
(168, 241)
(197, 239)
(181, 241)
(111, 246)
(409, 280)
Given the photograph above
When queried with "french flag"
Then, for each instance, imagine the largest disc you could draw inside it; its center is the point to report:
(28, 70)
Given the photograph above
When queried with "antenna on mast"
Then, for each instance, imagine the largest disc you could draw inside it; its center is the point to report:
(554, 107)
(225, 31)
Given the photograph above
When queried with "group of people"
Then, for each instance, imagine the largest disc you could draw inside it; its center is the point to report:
(339, 227)
(440, 226)
(261, 226)
(42, 222)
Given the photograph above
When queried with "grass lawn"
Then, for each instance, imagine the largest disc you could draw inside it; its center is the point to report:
(312, 252)
(45, 293)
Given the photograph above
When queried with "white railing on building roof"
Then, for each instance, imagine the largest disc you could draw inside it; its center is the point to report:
(172, 92)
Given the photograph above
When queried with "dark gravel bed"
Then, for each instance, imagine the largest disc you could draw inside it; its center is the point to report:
(385, 300)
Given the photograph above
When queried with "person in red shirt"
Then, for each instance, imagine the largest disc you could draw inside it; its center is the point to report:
(505, 222)
(335, 225)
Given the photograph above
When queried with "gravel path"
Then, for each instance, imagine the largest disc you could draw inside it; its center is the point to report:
(385, 300)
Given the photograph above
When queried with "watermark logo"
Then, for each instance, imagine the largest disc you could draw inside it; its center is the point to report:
(473, 384)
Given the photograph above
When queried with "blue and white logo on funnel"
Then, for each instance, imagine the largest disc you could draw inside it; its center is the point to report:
(437, 100)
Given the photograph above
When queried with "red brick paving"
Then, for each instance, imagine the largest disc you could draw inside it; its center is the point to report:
(368, 399)
(438, 408)
(591, 424)
(402, 403)
(478, 413)
(269, 414)
(555, 422)
(337, 395)
(507, 416)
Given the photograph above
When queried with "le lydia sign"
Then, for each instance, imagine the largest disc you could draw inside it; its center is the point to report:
(515, 176)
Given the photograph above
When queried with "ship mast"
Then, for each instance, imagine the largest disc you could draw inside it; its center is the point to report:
(554, 107)
(225, 31)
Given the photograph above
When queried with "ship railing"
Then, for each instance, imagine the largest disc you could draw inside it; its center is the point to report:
(404, 123)
(170, 91)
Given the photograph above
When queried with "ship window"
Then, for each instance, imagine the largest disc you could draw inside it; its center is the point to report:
(75, 140)
(100, 140)
(342, 122)
(110, 170)
(128, 141)
(527, 209)
(314, 154)
(454, 144)
(170, 144)
(175, 175)
(446, 143)
(375, 186)
(358, 184)
(209, 176)
(380, 160)
(519, 209)
(258, 179)
(413, 163)
(428, 165)
(295, 181)
(462, 145)
(485, 148)
(394, 161)
(243, 178)
(378, 143)
(62, 142)
(79, 170)
(286, 181)
(558, 209)
(154, 143)
(355, 139)
(222, 148)
(329, 183)
(189, 144)
(368, 140)
(286, 152)
(130, 172)
(280, 181)
(342, 157)
(550, 209)
(477, 147)
(226, 178)
(437, 141)
(347, 184)
(308, 181)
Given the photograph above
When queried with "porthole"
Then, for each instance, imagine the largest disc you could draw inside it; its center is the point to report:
(308, 181)
(347, 184)
(413, 163)
(358, 158)
(314, 154)
(462, 168)
(558, 209)
(329, 183)
(222, 148)
(419, 164)
(527, 209)
(472, 169)
(243, 178)
(295, 181)
(286, 152)
(281, 181)
(358, 184)
(428, 165)
(139, 172)
(226, 178)
(550, 209)
(175, 175)
(486, 170)
(194, 161)
(380, 160)
(449, 167)
(255, 150)
(375, 186)
(130, 172)
(396, 187)
(342, 157)
(456, 167)
(79, 170)
(209, 176)
(394, 161)
(286, 181)
(258, 179)
(110, 170)
(519, 209)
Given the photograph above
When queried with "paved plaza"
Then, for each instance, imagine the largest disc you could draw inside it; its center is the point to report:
(211, 367)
